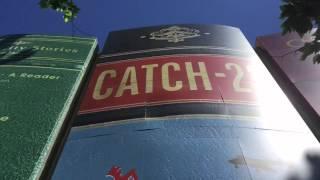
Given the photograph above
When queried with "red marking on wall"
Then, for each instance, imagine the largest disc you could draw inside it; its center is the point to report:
(115, 173)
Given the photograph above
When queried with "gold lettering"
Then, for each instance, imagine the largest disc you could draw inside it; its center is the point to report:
(97, 89)
(203, 74)
(133, 86)
(239, 76)
(295, 43)
(165, 77)
(149, 76)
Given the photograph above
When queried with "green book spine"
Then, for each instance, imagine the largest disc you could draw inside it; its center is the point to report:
(40, 77)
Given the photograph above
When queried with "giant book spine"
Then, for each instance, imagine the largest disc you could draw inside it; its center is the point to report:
(182, 102)
(298, 77)
(40, 79)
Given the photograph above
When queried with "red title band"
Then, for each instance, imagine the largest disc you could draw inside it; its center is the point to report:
(169, 79)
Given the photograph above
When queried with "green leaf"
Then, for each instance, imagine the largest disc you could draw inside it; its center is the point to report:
(316, 59)
(302, 16)
(66, 7)
(308, 49)
(66, 19)
(43, 4)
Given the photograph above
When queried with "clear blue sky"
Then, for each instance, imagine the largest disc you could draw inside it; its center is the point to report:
(98, 17)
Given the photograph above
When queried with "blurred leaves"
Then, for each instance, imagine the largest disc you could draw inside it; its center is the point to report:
(302, 16)
(66, 7)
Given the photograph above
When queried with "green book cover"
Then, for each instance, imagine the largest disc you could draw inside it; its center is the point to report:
(40, 78)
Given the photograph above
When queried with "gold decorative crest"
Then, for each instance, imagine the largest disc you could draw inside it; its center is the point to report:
(175, 34)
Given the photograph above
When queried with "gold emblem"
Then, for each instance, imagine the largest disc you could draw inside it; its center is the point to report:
(175, 34)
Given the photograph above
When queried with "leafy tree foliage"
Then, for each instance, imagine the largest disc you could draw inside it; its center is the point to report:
(66, 7)
(302, 16)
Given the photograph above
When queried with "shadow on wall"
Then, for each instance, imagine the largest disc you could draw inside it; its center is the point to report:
(10, 55)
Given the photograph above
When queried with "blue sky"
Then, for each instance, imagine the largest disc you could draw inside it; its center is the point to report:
(98, 17)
